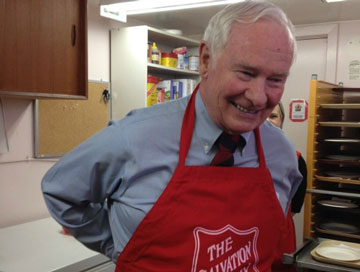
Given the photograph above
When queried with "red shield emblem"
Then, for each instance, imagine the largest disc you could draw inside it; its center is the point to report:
(226, 249)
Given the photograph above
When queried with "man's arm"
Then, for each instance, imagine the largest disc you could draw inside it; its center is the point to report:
(298, 199)
(76, 188)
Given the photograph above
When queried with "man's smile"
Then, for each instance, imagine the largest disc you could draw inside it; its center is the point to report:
(240, 108)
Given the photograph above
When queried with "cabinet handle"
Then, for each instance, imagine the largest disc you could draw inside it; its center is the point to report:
(73, 35)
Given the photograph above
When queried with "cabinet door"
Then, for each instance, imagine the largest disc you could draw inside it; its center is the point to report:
(43, 48)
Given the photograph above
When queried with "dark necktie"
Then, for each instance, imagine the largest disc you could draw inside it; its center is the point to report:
(227, 144)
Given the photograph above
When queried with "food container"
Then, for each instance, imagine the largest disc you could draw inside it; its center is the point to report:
(169, 59)
(151, 95)
(180, 61)
(194, 63)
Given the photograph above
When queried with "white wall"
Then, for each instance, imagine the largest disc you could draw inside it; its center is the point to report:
(349, 42)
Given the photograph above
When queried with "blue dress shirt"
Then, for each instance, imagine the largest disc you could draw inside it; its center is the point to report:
(101, 190)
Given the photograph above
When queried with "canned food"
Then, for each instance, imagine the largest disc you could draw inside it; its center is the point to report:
(194, 63)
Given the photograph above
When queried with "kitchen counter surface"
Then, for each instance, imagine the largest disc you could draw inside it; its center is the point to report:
(40, 246)
(306, 261)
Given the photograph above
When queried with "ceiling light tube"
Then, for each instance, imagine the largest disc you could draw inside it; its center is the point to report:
(119, 11)
(333, 1)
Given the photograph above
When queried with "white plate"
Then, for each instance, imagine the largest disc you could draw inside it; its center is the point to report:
(343, 140)
(339, 253)
(338, 204)
(343, 157)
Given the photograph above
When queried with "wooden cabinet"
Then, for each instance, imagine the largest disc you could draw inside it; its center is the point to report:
(130, 66)
(332, 205)
(43, 47)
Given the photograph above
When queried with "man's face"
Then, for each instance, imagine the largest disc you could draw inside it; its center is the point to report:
(247, 80)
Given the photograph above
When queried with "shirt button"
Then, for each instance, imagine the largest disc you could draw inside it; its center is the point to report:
(206, 148)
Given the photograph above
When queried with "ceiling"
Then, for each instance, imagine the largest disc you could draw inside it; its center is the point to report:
(193, 21)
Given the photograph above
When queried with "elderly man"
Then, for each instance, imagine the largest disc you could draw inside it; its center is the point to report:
(196, 184)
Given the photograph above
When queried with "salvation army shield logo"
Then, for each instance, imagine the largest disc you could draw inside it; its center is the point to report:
(226, 249)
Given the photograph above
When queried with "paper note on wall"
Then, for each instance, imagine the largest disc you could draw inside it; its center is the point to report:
(353, 50)
(354, 70)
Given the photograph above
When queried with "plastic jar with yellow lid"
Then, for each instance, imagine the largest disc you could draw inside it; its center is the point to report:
(169, 59)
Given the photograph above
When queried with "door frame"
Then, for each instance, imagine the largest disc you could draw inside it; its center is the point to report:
(330, 33)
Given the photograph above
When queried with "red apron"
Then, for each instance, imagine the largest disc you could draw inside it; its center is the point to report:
(288, 241)
(208, 219)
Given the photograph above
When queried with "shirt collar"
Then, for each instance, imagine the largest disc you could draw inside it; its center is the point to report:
(205, 129)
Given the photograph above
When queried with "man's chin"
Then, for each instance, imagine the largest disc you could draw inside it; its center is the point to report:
(243, 128)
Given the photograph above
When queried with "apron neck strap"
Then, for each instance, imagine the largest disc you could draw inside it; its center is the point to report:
(259, 148)
(187, 129)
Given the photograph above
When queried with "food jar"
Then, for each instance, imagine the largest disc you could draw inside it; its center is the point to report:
(169, 59)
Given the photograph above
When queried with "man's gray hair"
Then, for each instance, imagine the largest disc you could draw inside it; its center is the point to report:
(217, 32)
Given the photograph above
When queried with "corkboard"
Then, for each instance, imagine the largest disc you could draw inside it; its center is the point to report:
(61, 125)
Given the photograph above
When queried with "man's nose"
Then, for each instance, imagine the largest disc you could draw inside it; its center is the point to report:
(257, 93)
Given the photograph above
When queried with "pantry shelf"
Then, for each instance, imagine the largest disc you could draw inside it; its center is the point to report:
(156, 68)
(130, 66)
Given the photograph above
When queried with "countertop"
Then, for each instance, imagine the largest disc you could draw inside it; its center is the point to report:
(40, 246)
(306, 261)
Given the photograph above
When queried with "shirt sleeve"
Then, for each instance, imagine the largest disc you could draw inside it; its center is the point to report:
(77, 188)
(298, 199)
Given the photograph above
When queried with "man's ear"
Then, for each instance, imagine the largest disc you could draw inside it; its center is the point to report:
(204, 59)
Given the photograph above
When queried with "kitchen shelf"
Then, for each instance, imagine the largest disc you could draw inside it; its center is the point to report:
(130, 64)
(340, 106)
(165, 37)
(340, 124)
(339, 180)
(156, 68)
(332, 193)
(333, 153)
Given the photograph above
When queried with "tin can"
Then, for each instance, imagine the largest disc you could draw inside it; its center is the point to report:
(180, 61)
(194, 63)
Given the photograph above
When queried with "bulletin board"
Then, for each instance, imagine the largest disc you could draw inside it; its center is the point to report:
(62, 124)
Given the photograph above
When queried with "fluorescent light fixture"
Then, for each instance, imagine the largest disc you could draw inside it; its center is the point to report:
(332, 1)
(119, 11)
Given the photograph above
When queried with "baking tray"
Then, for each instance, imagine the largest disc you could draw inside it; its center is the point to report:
(338, 233)
(338, 244)
(304, 260)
